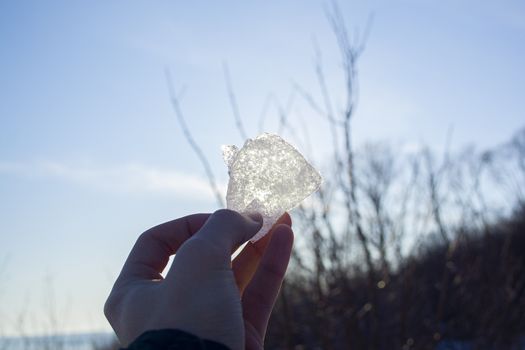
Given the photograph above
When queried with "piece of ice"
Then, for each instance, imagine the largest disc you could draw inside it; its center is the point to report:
(228, 154)
(268, 176)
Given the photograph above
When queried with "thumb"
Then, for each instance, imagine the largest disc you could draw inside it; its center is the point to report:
(228, 229)
(213, 244)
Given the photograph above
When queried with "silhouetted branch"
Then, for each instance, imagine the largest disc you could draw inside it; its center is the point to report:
(191, 141)
(233, 103)
(264, 111)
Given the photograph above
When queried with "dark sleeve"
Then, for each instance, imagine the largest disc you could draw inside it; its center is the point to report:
(172, 339)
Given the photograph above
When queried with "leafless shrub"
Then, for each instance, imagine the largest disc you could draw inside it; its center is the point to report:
(397, 250)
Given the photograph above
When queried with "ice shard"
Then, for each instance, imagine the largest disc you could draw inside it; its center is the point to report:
(268, 176)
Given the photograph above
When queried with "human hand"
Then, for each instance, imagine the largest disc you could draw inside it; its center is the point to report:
(204, 292)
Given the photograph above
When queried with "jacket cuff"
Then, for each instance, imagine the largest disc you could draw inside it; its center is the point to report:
(173, 339)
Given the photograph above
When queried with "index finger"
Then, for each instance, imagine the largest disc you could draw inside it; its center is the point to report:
(151, 253)
(260, 295)
(245, 264)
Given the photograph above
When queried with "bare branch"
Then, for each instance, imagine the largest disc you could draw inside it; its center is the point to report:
(284, 112)
(233, 103)
(264, 111)
(435, 202)
(309, 99)
(191, 141)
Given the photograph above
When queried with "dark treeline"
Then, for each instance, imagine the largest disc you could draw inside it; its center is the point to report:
(424, 252)
(471, 291)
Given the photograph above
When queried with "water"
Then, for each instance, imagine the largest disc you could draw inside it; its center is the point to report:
(86, 341)
(103, 341)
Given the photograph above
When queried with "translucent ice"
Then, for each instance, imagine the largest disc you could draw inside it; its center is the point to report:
(268, 176)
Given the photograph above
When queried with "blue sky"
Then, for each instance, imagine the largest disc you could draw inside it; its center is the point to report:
(90, 152)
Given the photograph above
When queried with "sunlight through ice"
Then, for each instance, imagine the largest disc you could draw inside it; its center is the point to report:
(268, 176)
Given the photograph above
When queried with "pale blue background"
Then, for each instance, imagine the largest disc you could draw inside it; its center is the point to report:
(91, 155)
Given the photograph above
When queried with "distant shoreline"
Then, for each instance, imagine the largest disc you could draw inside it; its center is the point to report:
(72, 341)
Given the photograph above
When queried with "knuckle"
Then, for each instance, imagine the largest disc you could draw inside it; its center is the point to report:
(197, 247)
(202, 253)
(110, 307)
(142, 239)
(273, 271)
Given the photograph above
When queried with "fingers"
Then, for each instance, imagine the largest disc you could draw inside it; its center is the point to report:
(151, 252)
(211, 247)
(227, 229)
(245, 264)
(260, 295)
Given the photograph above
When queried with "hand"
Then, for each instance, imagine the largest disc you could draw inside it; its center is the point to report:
(204, 292)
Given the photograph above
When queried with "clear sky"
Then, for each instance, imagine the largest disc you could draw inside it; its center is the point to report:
(90, 152)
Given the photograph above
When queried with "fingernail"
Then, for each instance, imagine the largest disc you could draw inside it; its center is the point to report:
(255, 217)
